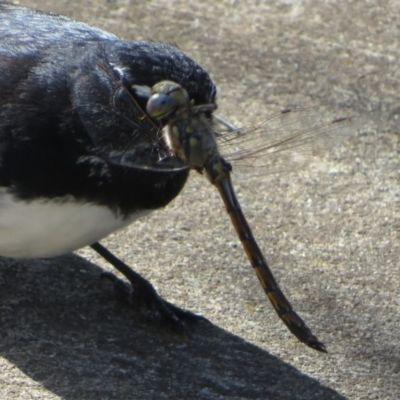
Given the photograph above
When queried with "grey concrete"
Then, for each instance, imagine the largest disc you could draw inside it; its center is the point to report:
(330, 232)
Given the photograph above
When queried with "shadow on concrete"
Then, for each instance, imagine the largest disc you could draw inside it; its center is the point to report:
(63, 327)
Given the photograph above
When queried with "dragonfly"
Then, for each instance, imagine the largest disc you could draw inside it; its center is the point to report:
(188, 134)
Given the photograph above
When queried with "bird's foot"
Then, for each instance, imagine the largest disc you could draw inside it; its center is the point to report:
(144, 296)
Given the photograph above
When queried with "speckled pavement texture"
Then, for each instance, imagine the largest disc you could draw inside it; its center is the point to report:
(330, 232)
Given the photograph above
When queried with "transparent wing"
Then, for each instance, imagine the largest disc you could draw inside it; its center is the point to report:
(284, 142)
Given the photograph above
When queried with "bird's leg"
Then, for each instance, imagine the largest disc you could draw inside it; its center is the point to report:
(142, 293)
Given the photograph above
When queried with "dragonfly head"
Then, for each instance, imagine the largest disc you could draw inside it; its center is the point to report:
(188, 132)
(166, 98)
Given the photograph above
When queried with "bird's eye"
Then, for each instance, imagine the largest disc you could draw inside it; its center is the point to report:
(121, 99)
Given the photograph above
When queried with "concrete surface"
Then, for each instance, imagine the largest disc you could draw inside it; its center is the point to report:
(330, 232)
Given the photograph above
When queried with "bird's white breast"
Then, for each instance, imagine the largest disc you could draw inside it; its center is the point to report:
(47, 228)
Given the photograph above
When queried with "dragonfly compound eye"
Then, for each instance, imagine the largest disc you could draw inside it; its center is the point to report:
(160, 105)
(167, 97)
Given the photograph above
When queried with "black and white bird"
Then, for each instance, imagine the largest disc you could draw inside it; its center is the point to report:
(79, 159)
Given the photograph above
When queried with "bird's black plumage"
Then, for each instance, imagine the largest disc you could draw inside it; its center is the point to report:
(78, 156)
(64, 121)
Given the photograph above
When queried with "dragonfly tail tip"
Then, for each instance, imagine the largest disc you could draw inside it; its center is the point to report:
(317, 345)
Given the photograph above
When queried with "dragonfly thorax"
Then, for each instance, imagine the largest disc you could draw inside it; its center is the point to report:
(192, 140)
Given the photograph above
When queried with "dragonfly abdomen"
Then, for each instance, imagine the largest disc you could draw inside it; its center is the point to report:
(278, 300)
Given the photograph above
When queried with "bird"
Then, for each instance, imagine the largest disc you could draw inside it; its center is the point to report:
(79, 156)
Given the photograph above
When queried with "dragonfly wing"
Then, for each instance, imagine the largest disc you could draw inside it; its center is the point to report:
(284, 142)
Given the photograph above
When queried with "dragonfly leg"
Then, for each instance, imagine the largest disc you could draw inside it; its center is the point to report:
(140, 292)
(226, 124)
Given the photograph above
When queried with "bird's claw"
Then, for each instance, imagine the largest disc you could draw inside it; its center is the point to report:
(146, 298)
